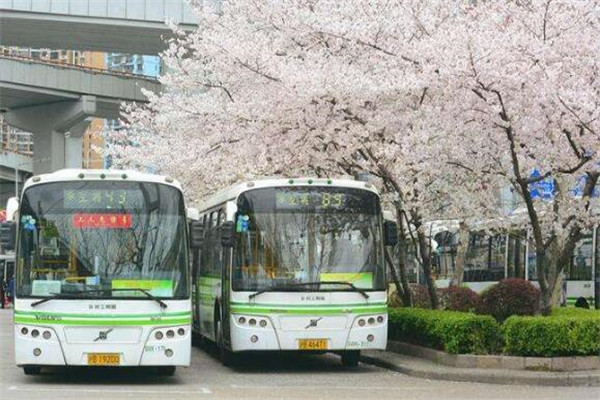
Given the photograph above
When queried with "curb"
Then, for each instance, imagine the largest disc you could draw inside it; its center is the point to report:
(506, 362)
(428, 370)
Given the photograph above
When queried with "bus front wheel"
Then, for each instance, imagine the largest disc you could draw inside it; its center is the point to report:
(226, 356)
(32, 370)
(350, 358)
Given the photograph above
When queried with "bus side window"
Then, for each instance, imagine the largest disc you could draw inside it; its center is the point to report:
(217, 263)
(221, 217)
(204, 259)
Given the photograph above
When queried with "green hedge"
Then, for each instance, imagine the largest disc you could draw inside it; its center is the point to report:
(451, 331)
(575, 312)
(568, 332)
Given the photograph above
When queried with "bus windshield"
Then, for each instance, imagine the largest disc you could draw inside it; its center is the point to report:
(286, 237)
(98, 238)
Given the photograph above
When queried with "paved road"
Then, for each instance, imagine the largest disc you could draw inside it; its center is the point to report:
(264, 377)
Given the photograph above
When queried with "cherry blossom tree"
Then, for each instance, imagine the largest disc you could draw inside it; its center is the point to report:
(443, 102)
(292, 88)
(522, 107)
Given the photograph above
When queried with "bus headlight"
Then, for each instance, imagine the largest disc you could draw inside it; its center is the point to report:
(158, 335)
(257, 321)
(370, 320)
(46, 335)
(24, 331)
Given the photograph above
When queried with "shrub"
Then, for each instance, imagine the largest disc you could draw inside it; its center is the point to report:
(394, 300)
(421, 298)
(453, 332)
(510, 297)
(459, 299)
(566, 333)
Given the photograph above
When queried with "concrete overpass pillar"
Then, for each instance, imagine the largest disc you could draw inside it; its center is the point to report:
(49, 123)
(74, 144)
(49, 151)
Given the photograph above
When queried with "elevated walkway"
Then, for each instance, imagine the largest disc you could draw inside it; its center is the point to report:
(53, 101)
(27, 83)
(129, 26)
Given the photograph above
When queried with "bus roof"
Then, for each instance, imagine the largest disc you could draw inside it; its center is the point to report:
(234, 191)
(65, 175)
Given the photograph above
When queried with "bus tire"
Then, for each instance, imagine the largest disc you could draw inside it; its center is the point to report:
(226, 356)
(197, 339)
(350, 358)
(32, 370)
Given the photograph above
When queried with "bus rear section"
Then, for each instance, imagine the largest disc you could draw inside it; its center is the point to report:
(102, 272)
(293, 266)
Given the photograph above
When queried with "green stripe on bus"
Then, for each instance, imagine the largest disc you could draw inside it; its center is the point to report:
(102, 322)
(62, 314)
(308, 311)
(344, 305)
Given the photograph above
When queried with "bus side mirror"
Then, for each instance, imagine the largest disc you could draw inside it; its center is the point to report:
(196, 234)
(8, 235)
(227, 234)
(390, 233)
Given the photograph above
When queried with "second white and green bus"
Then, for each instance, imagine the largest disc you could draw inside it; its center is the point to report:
(292, 265)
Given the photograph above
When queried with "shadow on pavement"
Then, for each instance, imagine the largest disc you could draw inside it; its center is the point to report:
(284, 362)
(104, 375)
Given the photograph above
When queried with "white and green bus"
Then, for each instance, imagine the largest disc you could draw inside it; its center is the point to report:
(102, 274)
(292, 264)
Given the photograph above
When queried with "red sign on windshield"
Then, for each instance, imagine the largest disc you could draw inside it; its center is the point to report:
(100, 221)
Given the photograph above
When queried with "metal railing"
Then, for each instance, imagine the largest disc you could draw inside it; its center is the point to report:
(76, 67)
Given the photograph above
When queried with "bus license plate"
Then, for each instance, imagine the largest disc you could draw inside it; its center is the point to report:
(103, 359)
(312, 344)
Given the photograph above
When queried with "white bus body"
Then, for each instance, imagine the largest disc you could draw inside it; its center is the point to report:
(260, 297)
(502, 255)
(102, 272)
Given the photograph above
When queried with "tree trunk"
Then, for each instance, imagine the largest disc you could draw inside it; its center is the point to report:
(395, 278)
(461, 254)
(555, 258)
(407, 298)
(424, 250)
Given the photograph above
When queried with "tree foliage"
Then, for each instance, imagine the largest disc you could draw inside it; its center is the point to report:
(444, 103)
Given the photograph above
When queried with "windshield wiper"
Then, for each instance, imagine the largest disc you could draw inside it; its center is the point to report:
(55, 296)
(269, 289)
(147, 293)
(77, 295)
(359, 290)
(272, 288)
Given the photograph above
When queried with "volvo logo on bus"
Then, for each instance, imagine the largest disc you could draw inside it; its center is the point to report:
(103, 335)
(313, 323)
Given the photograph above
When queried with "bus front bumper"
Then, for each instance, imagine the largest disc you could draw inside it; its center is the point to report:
(50, 345)
(274, 336)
